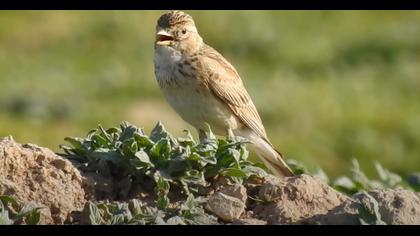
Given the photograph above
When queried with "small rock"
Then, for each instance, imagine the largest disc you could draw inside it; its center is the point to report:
(235, 190)
(225, 207)
(221, 181)
(62, 164)
(40, 159)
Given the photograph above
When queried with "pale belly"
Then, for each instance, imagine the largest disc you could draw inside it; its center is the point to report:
(198, 108)
(193, 103)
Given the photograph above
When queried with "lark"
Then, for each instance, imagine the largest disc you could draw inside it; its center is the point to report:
(204, 88)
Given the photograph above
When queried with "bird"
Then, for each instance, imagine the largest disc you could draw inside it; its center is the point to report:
(205, 89)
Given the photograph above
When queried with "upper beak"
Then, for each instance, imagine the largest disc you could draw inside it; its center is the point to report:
(163, 38)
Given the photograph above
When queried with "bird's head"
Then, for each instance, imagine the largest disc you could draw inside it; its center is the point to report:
(177, 30)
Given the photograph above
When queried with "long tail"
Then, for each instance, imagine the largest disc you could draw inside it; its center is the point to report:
(270, 156)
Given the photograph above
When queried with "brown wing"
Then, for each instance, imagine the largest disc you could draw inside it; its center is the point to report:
(227, 85)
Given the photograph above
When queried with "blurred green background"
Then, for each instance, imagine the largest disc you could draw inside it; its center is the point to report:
(329, 85)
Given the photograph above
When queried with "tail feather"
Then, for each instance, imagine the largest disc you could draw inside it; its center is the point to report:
(278, 166)
(271, 157)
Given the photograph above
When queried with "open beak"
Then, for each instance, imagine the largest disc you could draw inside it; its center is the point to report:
(164, 39)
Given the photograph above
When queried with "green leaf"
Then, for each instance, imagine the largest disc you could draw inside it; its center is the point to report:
(29, 212)
(193, 213)
(77, 144)
(105, 210)
(387, 178)
(162, 202)
(95, 217)
(91, 133)
(4, 217)
(143, 157)
(30, 209)
(234, 172)
(383, 175)
(159, 221)
(194, 177)
(296, 167)
(228, 158)
(129, 147)
(178, 165)
(188, 141)
(162, 185)
(209, 133)
(117, 219)
(322, 175)
(358, 176)
(113, 130)
(175, 220)
(162, 190)
(33, 217)
(127, 131)
(345, 182)
(244, 152)
(105, 134)
(105, 154)
(143, 141)
(135, 206)
(254, 171)
(161, 151)
(7, 199)
(100, 141)
(159, 133)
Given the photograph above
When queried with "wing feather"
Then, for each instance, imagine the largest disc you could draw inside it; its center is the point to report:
(226, 84)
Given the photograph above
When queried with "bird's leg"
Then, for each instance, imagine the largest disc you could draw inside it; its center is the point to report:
(202, 135)
(231, 135)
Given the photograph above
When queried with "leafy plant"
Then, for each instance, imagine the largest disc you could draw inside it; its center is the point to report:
(176, 165)
(128, 151)
(190, 212)
(11, 212)
(359, 181)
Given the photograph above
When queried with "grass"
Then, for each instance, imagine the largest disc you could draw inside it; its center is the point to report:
(330, 85)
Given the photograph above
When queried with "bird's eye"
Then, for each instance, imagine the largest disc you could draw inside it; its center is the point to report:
(184, 31)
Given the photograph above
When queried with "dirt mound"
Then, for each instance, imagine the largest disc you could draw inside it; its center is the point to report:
(33, 173)
(37, 174)
(296, 200)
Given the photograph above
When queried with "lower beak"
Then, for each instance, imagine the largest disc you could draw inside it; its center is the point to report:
(164, 39)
